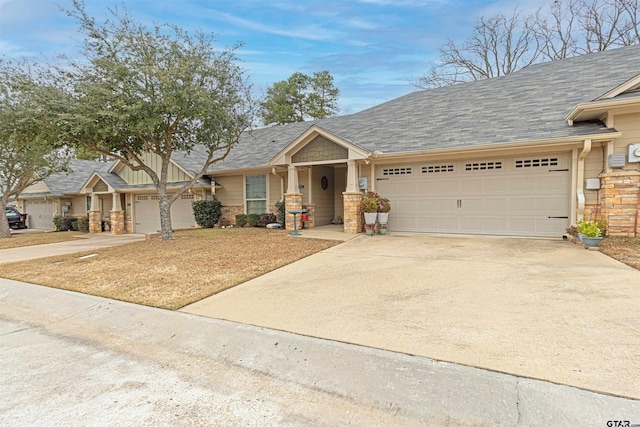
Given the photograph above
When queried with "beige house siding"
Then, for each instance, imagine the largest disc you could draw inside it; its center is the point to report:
(174, 174)
(38, 187)
(323, 199)
(340, 185)
(629, 125)
(593, 167)
(303, 179)
(78, 206)
(275, 187)
(232, 190)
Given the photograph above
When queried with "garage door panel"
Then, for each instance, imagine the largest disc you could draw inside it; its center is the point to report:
(39, 214)
(505, 196)
(494, 205)
(147, 213)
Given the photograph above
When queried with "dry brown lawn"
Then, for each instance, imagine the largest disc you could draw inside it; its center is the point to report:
(31, 239)
(624, 249)
(195, 265)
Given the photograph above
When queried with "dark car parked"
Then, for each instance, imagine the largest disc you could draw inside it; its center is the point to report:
(16, 219)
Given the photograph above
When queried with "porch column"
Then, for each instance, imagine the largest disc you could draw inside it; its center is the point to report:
(95, 215)
(352, 177)
(292, 198)
(117, 216)
(352, 212)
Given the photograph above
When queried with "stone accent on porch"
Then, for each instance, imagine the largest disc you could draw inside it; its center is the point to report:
(129, 224)
(117, 222)
(291, 202)
(95, 221)
(352, 214)
(620, 200)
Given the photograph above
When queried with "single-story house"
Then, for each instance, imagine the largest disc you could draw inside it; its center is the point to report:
(525, 154)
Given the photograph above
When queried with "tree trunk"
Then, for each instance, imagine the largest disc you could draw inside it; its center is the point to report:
(5, 231)
(165, 218)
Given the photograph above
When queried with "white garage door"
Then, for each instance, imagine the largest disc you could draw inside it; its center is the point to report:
(520, 196)
(40, 214)
(147, 213)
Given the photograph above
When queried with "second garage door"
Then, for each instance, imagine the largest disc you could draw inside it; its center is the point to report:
(147, 213)
(40, 214)
(520, 196)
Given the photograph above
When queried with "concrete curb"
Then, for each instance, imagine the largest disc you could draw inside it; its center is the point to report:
(414, 387)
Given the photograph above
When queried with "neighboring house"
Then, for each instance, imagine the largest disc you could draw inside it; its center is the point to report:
(525, 154)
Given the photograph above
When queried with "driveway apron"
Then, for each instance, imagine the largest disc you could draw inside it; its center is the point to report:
(538, 308)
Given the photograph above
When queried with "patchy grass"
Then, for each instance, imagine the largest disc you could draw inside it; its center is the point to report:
(30, 239)
(195, 265)
(624, 249)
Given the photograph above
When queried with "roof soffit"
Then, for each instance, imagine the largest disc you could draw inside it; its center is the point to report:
(285, 156)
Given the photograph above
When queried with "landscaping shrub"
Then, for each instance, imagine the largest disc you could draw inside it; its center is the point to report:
(207, 213)
(56, 222)
(74, 225)
(241, 220)
(253, 219)
(267, 218)
(83, 224)
(66, 223)
(280, 212)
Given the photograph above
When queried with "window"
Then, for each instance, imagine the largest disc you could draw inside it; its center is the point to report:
(482, 166)
(537, 163)
(437, 169)
(256, 194)
(396, 171)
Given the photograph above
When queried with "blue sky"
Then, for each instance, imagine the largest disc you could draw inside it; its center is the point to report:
(373, 48)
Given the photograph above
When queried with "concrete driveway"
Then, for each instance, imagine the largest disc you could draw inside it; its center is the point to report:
(536, 308)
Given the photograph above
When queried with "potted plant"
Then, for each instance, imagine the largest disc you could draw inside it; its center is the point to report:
(591, 233)
(369, 229)
(384, 206)
(369, 206)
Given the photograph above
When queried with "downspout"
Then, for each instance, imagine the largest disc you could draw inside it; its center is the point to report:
(273, 171)
(580, 179)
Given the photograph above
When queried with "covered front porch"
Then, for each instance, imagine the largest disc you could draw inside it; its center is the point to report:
(322, 179)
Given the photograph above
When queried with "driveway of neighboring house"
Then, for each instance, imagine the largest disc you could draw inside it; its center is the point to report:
(87, 242)
(538, 308)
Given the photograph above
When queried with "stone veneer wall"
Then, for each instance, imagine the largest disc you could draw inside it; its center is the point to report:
(117, 222)
(95, 221)
(352, 214)
(129, 225)
(229, 212)
(619, 192)
(291, 202)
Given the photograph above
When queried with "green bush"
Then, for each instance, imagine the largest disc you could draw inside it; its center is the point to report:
(266, 218)
(83, 224)
(56, 222)
(253, 219)
(241, 220)
(74, 225)
(66, 223)
(589, 229)
(207, 213)
(280, 212)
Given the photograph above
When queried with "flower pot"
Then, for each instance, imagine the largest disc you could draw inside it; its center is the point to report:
(369, 232)
(591, 242)
(383, 217)
(382, 231)
(370, 217)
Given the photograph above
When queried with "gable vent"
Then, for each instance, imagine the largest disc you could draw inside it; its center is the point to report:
(396, 171)
(437, 169)
(537, 163)
(482, 166)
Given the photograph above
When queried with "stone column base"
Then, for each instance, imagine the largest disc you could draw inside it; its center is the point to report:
(117, 222)
(129, 225)
(95, 222)
(619, 193)
(352, 214)
(292, 201)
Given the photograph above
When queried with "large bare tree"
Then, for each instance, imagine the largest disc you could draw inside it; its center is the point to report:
(501, 45)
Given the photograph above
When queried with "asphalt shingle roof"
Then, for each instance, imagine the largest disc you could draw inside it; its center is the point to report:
(80, 171)
(523, 106)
